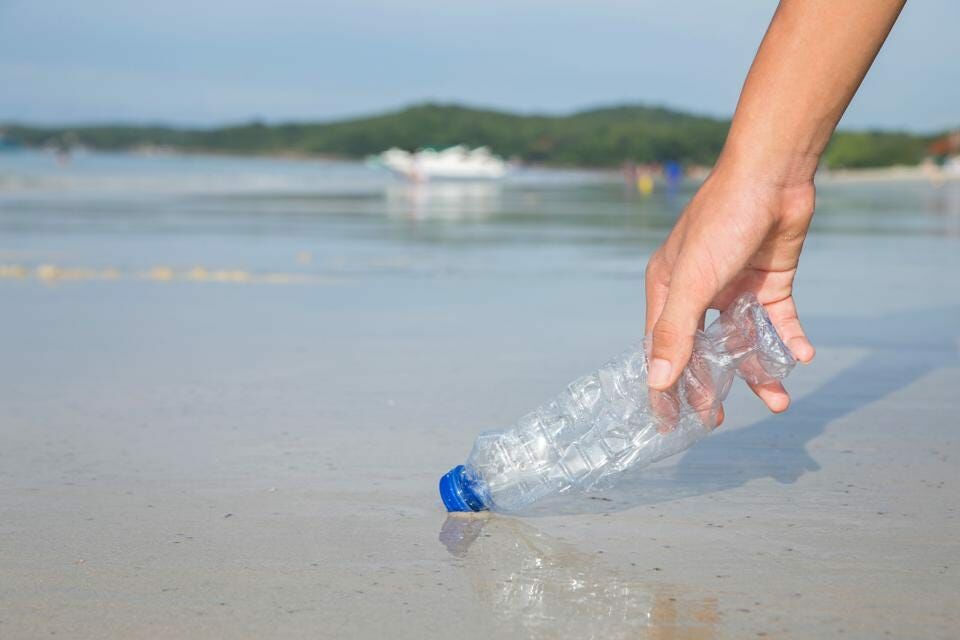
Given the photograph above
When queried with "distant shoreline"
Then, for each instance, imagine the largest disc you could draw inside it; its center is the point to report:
(893, 173)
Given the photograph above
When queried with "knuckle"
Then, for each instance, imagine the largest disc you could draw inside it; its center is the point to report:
(656, 270)
(667, 336)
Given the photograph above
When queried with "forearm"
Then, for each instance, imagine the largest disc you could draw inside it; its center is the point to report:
(809, 65)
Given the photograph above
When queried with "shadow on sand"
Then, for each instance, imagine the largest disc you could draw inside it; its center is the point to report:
(902, 348)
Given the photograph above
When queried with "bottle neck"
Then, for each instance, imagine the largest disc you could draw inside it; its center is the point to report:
(460, 492)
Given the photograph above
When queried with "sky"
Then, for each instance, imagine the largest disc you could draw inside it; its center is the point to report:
(222, 61)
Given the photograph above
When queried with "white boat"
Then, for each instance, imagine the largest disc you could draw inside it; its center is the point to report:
(454, 163)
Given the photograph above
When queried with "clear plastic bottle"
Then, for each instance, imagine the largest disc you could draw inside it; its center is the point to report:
(610, 421)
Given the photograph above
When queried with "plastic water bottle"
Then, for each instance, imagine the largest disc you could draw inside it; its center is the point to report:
(610, 421)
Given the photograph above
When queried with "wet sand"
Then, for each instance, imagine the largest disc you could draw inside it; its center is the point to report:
(186, 458)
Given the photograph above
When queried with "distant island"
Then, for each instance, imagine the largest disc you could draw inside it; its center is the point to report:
(604, 137)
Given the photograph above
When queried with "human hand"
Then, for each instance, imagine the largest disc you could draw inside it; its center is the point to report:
(744, 229)
(739, 233)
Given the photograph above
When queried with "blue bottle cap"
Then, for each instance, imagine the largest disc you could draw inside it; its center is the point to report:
(458, 492)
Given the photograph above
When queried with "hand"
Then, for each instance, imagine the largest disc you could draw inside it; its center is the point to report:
(739, 233)
(744, 229)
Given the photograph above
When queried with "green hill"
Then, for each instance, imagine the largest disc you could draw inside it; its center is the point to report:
(593, 138)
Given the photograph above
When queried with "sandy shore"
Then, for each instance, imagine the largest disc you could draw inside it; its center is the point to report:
(196, 458)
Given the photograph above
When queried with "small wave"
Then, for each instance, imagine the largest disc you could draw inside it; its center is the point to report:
(50, 273)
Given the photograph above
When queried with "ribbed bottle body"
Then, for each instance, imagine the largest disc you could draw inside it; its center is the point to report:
(610, 420)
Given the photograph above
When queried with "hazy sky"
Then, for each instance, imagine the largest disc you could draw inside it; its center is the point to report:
(211, 61)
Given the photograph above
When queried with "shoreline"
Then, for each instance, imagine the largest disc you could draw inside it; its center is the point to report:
(897, 173)
(933, 174)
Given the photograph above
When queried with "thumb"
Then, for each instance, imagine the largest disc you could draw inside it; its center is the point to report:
(673, 334)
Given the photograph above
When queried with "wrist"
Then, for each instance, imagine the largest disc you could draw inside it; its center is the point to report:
(768, 166)
(780, 185)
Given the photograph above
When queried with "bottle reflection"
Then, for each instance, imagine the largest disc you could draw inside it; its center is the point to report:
(548, 588)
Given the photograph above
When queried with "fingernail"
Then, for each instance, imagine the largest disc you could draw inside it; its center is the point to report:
(798, 347)
(659, 372)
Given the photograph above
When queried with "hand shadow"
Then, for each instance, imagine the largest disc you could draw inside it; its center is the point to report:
(903, 347)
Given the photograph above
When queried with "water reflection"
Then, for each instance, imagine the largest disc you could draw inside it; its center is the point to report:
(914, 208)
(946, 206)
(443, 200)
(544, 587)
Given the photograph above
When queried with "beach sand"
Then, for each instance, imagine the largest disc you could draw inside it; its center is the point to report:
(183, 458)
